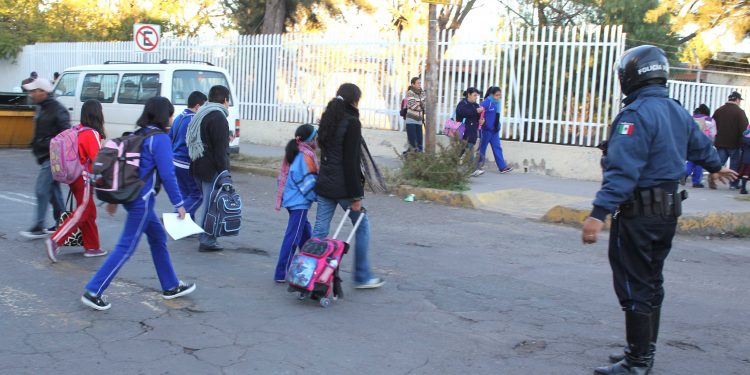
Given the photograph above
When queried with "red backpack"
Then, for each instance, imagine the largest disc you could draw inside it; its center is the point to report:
(404, 107)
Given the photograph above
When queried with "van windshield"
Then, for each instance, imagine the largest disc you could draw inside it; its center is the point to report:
(185, 82)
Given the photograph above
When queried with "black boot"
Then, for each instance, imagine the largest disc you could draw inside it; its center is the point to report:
(638, 353)
(655, 318)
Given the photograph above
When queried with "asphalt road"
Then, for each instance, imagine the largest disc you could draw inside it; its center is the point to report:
(468, 292)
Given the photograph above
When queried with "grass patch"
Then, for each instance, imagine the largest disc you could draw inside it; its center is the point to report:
(740, 232)
(448, 168)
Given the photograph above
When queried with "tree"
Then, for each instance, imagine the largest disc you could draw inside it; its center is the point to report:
(734, 15)
(639, 31)
(278, 16)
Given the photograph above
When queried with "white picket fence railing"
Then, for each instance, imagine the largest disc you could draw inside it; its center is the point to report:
(558, 84)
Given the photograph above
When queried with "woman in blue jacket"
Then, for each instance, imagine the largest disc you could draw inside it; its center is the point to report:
(299, 172)
(156, 158)
(468, 111)
(491, 132)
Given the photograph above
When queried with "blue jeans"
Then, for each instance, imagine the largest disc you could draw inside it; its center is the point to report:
(733, 155)
(47, 191)
(414, 135)
(695, 170)
(298, 231)
(191, 190)
(326, 209)
(491, 138)
(141, 219)
(206, 239)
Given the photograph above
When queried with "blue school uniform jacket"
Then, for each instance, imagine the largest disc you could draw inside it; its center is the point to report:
(178, 134)
(299, 192)
(156, 157)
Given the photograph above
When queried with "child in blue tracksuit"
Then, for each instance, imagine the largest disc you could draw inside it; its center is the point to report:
(190, 189)
(156, 157)
(299, 173)
(490, 134)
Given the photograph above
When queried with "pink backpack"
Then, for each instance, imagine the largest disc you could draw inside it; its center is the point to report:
(63, 155)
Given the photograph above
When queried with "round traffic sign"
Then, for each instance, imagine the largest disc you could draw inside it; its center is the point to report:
(147, 38)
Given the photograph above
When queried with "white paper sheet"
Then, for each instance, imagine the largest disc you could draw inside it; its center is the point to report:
(179, 229)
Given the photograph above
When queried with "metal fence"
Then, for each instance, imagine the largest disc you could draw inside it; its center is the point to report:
(558, 84)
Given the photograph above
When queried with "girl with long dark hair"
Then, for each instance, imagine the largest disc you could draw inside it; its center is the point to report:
(469, 112)
(299, 173)
(156, 159)
(341, 178)
(490, 133)
(90, 134)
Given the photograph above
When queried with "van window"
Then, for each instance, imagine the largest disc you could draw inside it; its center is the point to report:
(137, 88)
(67, 84)
(185, 82)
(99, 86)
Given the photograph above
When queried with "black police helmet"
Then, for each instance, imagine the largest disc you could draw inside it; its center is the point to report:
(642, 65)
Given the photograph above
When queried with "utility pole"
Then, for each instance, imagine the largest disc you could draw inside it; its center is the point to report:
(431, 80)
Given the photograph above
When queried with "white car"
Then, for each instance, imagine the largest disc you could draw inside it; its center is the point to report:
(123, 88)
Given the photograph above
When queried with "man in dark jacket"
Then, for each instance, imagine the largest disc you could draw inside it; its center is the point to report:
(208, 145)
(51, 119)
(731, 121)
(651, 138)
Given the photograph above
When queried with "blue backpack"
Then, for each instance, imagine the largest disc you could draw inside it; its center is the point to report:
(224, 216)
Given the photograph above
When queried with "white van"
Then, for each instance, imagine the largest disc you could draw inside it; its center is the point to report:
(123, 88)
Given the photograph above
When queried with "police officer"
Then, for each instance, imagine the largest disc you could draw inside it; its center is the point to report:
(645, 158)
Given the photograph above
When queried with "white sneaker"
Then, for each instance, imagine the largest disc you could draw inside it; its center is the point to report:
(373, 283)
(477, 173)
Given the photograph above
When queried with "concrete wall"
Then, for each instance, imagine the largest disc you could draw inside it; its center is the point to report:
(574, 162)
(15, 71)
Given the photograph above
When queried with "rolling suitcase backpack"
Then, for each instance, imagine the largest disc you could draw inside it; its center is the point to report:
(314, 271)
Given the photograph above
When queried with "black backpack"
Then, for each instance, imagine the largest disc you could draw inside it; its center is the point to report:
(224, 215)
(117, 171)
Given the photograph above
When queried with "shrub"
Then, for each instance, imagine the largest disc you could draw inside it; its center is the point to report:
(448, 168)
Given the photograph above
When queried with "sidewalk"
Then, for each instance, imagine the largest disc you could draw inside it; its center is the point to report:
(566, 201)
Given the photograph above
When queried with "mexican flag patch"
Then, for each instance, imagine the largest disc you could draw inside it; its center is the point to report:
(625, 128)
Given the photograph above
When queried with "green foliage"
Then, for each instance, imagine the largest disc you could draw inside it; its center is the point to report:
(448, 168)
(631, 15)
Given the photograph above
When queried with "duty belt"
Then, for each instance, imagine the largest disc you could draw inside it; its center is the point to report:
(662, 200)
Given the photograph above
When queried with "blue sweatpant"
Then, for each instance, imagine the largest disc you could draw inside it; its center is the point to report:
(491, 138)
(298, 231)
(695, 170)
(141, 219)
(190, 189)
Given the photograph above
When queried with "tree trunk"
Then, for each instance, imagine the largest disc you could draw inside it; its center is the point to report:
(431, 81)
(274, 17)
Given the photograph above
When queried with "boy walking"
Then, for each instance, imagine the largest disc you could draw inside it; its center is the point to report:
(208, 146)
(189, 187)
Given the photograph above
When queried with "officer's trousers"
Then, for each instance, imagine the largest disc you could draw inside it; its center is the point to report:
(638, 247)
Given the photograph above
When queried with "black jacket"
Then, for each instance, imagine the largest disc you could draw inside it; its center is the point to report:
(731, 121)
(467, 112)
(340, 174)
(50, 120)
(215, 136)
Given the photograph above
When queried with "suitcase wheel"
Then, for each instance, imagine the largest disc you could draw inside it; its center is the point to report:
(325, 302)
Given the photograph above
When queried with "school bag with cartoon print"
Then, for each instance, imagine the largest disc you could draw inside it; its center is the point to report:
(64, 162)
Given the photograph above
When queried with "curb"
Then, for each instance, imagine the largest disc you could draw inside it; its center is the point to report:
(708, 224)
(255, 169)
(445, 197)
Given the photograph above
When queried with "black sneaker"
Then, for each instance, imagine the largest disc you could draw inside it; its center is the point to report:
(179, 291)
(95, 302)
(698, 186)
(51, 229)
(34, 233)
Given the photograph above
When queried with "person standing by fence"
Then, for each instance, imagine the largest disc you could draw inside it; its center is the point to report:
(702, 117)
(731, 121)
(415, 105)
(189, 187)
(490, 134)
(50, 120)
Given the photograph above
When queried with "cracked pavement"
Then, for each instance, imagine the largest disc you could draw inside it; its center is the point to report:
(468, 292)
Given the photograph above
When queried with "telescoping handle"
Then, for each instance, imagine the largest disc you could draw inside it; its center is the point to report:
(356, 224)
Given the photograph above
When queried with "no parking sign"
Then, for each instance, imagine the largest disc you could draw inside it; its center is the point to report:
(146, 38)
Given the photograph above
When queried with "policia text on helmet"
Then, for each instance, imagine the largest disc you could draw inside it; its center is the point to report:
(645, 156)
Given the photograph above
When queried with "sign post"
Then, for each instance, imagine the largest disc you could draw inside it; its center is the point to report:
(146, 38)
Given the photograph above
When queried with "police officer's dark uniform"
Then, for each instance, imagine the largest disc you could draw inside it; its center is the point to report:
(645, 158)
